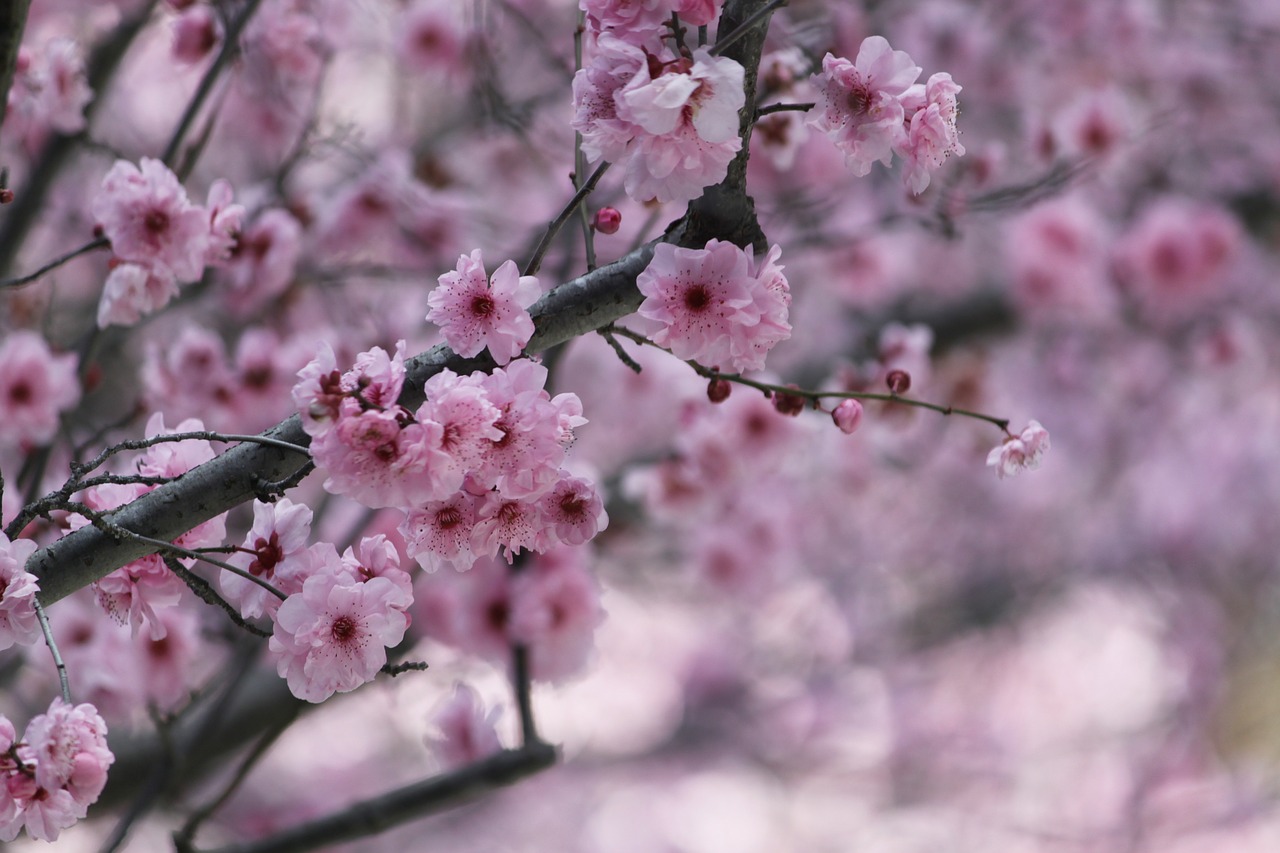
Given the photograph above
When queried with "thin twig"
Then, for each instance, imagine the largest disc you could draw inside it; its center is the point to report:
(30, 277)
(745, 27)
(554, 228)
(782, 108)
(53, 650)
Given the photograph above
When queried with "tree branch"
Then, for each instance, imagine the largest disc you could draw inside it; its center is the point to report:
(408, 803)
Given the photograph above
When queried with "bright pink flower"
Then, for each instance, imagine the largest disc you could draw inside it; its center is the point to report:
(475, 311)
(333, 636)
(278, 542)
(464, 733)
(505, 524)
(711, 305)
(35, 387)
(18, 589)
(383, 459)
(1021, 453)
(859, 104)
(525, 462)
(462, 407)
(147, 217)
(572, 513)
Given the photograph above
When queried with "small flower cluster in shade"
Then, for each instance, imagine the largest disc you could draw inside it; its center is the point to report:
(1019, 453)
(18, 589)
(670, 119)
(717, 305)
(872, 108)
(50, 777)
(477, 466)
(475, 311)
(140, 591)
(159, 239)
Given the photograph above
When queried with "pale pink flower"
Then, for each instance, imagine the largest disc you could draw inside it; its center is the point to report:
(525, 462)
(376, 557)
(439, 533)
(146, 215)
(132, 291)
(475, 311)
(931, 135)
(606, 135)
(467, 420)
(711, 305)
(318, 393)
(632, 19)
(18, 589)
(1020, 453)
(505, 524)
(53, 89)
(555, 610)
(859, 104)
(333, 636)
(36, 386)
(224, 223)
(677, 166)
(378, 459)
(463, 732)
(278, 542)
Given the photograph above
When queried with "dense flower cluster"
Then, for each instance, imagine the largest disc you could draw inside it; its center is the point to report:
(50, 777)
(872, 108)
(717, 305)
(672, 120)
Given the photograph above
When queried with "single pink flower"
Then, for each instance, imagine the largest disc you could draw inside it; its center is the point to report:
(18, 588)
(1021, 453)
(463, 732)
(475, 311)
(333, 636)
(36, 386)
(146, 215)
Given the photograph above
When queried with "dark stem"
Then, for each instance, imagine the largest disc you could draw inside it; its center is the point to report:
(553, 229)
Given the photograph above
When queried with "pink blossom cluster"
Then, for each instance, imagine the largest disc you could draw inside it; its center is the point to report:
(477, 465)
(475, 311)
(1019, 453)
(137, 592)
(36, 387)
(50, 777)
(872, 108)
(159, 239)
(717, 305)
(552, 607)
(671, 119)
(333, 630)
(644, 18)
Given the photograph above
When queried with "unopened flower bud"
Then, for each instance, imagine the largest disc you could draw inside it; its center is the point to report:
(6, 195)
(847, 416)
(788, 404)
(718, 390)
(899, 381)
(608, 219)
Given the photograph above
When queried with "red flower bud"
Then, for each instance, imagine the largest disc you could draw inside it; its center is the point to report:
(899, 381)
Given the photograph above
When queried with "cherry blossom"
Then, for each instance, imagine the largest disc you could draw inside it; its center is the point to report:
(146, 215)
(333, 635)
(475, 311)
(712, 305)
(36, 387)
(1022, 452)
(860, 103)
(277, 552)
